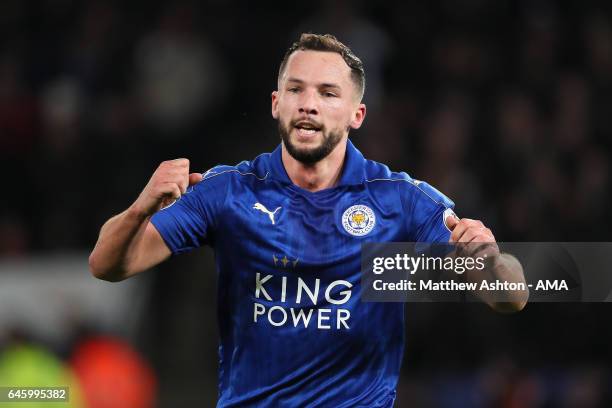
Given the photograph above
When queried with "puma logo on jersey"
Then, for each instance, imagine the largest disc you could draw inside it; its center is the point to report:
(263, 209)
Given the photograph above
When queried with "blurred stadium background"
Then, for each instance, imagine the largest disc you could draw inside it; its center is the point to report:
(505, 106)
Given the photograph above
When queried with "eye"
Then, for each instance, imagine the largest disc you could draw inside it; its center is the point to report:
(293, 90)
(330, 94)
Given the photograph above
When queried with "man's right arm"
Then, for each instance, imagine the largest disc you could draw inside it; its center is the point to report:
(128, 243)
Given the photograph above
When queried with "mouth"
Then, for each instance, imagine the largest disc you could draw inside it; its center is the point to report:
(306, 128)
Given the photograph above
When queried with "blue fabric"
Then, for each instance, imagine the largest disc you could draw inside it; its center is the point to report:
(293, 329)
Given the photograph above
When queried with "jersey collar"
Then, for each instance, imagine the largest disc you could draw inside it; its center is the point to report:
(352, 174)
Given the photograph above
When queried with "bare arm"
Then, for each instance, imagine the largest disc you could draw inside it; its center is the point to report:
(478, 241)
(128, 243)
(505, 267)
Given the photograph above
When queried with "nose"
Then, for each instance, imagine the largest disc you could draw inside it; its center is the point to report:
(308, 103)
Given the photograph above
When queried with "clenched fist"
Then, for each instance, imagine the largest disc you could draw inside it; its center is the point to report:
(473, 237)
(167, 184)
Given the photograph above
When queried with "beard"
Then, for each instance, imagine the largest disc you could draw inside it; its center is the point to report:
(309, 156)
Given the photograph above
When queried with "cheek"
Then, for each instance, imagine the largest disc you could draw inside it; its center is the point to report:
(280, 110)
(284, 116)
(285, 106)
(333, 109)
(341, 116)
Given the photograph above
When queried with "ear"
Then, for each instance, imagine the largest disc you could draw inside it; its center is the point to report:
(275, 104)
(358, 116)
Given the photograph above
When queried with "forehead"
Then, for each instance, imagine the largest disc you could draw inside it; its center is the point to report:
(317, 67)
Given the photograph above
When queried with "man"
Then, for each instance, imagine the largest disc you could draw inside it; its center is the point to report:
(286, 229)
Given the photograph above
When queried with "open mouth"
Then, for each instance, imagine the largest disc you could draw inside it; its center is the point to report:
(305, 128)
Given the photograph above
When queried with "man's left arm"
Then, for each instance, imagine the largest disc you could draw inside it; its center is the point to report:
(476, 240)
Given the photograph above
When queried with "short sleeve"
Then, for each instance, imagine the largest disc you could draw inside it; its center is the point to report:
(190, 221)
(428, 210)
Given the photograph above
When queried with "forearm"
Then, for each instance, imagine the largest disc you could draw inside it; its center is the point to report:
(113, 257)
(477, 241)
(506, 268)
(128, 243)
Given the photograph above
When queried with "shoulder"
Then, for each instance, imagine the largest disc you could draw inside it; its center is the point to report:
(223, 181)
(244, 171)
(379, 177)
(249, 169)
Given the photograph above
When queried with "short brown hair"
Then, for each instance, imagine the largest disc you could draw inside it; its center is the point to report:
(327, 42)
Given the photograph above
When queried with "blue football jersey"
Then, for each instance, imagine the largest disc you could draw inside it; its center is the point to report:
(293, 331)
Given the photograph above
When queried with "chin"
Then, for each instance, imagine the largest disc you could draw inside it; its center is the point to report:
(306, 145)
(314, 139)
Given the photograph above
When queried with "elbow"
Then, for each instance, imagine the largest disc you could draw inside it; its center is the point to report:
(95, 271)
(514, 303)
(99, 272)
(508, 307)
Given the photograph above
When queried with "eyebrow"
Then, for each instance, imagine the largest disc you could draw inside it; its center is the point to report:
(322, 85)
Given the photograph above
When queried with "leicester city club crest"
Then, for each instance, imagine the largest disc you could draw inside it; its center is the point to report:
(358, 220)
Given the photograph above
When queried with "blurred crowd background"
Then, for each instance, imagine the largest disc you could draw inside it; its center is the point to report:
(505, 106)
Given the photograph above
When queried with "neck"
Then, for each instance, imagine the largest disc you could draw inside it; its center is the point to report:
(318, 176)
